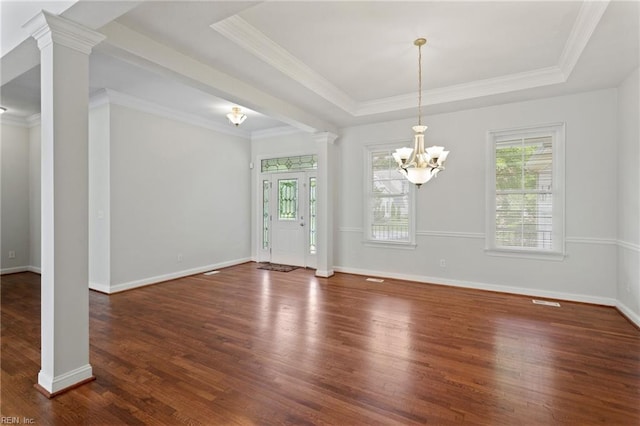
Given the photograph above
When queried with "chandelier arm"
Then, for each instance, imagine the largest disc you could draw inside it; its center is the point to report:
(412, 159)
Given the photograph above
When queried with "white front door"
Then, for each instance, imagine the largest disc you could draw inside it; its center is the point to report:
(293, 219)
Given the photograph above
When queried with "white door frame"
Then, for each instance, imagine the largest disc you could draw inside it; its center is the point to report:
(263, 251)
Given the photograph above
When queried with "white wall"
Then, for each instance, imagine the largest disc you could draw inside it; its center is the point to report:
(628, 231)
(34, 197)
(99, 198)
(179, 198)
(14, 200)
(451, 209)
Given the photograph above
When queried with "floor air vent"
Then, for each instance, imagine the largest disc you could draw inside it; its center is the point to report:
(546, 303)
(211, 272)
(375, 280)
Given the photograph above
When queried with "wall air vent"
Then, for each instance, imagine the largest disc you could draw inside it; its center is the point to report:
(545, 303)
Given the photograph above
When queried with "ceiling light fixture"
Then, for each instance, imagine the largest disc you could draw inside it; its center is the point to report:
(417, 164)
(236, 117)
(3, 110)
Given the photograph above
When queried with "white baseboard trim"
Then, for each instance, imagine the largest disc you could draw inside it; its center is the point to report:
(66, 380)
(627, 312)
(167, 277)
(584, 298)
(18, 269)
(13, 270)
(102, 288)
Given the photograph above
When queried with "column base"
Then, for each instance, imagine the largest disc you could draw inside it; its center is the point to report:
(324, 274)
(61, 391)
(51, 386)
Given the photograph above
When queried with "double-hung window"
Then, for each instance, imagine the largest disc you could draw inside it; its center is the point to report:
(389, 215)
(525, 192)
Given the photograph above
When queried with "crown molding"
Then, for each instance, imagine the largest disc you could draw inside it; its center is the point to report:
(14, 120)
(458, 92)
(33, 120)
(588, 19)
(251, 39)
(112, 97)
(255, 42)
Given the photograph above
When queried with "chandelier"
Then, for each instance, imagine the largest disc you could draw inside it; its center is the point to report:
(236, 117)
(417, 164)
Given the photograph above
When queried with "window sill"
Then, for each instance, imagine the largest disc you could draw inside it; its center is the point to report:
(390, 244)
(527, 254)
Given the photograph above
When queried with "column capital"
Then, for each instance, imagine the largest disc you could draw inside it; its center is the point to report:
(326, 137)
(47, 28)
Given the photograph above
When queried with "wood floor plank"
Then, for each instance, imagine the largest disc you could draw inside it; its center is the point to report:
(249, 346)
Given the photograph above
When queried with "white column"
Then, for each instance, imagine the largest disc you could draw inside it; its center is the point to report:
(326, 192)
(64, 67)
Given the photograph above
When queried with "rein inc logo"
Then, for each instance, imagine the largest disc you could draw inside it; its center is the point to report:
(16, 420)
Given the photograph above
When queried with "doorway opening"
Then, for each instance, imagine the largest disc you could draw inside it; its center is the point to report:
(289, 206)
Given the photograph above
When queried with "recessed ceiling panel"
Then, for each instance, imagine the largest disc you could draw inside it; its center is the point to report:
(366, 50)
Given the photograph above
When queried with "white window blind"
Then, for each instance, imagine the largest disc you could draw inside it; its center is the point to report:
(526, 190)
(389, 193)
(524, 198)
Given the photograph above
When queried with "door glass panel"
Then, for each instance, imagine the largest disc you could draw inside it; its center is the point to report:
(266, 190)
(287, 199)
(312, 216)
(287, 164)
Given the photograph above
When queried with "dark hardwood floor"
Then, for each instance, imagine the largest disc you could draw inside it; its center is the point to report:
(248, 346)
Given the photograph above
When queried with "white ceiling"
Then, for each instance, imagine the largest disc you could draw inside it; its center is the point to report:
(328, 64)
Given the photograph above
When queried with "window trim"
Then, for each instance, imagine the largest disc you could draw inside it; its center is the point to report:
(557, 132)
(368, 219)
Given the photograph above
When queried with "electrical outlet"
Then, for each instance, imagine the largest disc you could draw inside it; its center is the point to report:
(443, 263)
(12, 254)
(180, 258)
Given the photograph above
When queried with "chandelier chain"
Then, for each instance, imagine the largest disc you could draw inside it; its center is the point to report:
(419, 85)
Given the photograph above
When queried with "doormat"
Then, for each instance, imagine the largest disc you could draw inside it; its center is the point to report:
(276, 267)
